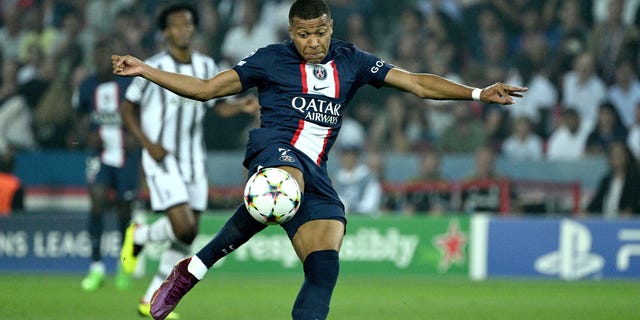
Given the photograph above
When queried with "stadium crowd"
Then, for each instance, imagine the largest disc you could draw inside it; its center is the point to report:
(580, 60)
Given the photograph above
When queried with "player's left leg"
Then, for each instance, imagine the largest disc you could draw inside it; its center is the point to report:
(98, 180)
(317, 244)
(97, 272)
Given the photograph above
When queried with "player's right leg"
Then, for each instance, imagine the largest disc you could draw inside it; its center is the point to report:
(236, 231)
(97, 194)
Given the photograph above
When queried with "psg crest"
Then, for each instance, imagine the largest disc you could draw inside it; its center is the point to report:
(319, 72)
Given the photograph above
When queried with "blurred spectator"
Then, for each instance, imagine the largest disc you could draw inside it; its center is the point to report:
(136, 31)
(633, 137)
(611, 39)
(488, 42)
(404, 37)
(11, 189)
(53, 113)
(15, 114)
(567, 37)
(583, 90)
(436, 199)
(358, 33)
(624, 94)
(275, 15)
(568, 140)
(358, 188)
(36, 33)
(600, 11)
(483, 195)
(389, 131)
(523, 143)
(443, 40)
(248, 36)
(496, 124)
(533, 30)
(608, 129)
(351, 133)
(465, 134)
(11, 34)
(209, 33)
(542, 95)
(617, 193)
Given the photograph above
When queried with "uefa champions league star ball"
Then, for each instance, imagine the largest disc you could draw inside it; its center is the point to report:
(272, 196)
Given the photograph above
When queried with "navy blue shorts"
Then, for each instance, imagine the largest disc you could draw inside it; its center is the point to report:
(320, 200)
(123, 180)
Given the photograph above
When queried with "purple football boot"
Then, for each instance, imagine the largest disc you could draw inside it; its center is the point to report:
(166, 298)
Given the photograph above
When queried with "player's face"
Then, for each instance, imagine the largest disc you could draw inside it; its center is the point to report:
(180, 29)
(312, 37)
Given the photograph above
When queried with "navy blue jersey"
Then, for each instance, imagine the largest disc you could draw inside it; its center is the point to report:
(101, 101)
(302, 103)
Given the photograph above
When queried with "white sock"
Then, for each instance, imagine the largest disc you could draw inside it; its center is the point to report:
(97, 266)
(160, 230)
(197, 268)
(169, 258)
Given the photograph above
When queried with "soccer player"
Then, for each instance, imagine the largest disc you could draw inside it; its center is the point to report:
(170, 130)
(304, 86)
(114, 156)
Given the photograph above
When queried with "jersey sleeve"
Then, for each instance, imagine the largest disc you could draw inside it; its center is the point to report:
(135, 89)
(371, 69)
(253, 69)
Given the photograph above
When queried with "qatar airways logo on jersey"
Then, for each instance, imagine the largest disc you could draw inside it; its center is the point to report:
(318, 110)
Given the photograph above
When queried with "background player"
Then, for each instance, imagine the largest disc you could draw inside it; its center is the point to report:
(170, 130)
(304, 86)
(115, 156)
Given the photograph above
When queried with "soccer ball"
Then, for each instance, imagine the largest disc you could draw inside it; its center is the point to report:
(272, 196)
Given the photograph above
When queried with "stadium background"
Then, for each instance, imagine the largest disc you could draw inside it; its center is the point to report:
(399, 265)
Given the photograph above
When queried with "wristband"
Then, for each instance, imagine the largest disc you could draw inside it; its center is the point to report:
(475, 94)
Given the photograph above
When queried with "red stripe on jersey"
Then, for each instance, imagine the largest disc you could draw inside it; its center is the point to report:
(324, 147)
(336, 79)
(299, 130)
(303, 71)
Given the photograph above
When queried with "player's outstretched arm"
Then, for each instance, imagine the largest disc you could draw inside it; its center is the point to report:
(223, 84)
(430, 86)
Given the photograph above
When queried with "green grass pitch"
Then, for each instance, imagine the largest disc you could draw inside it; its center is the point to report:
(249, 296)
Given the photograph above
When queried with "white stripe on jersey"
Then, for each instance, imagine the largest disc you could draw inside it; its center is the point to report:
(311, 139)
(107, 98)
(171, 120)
(320, 79)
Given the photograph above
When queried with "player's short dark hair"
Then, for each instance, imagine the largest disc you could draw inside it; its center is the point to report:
(163, 17)
(308, 9)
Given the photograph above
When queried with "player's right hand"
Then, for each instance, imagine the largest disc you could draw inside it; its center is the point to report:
(127, 66)
(157, 152)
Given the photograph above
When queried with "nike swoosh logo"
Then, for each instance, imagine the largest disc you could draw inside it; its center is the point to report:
(318, 89)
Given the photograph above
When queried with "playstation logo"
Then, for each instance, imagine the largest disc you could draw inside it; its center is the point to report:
(573, 259)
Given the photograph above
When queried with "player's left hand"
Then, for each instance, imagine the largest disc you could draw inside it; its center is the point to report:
(501, 93)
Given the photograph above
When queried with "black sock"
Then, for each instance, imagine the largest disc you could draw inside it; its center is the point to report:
(238, 230)
(321, 269)
(95, 228)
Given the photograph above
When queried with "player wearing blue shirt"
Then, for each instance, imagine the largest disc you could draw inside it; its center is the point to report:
(304, 86)
(114, 156)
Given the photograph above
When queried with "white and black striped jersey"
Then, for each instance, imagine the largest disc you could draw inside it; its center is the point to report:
(173, 121)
